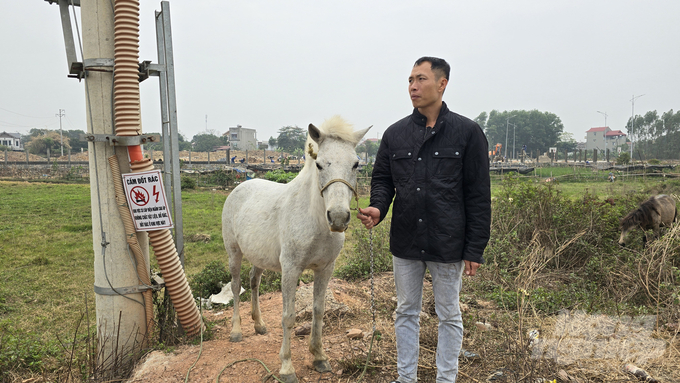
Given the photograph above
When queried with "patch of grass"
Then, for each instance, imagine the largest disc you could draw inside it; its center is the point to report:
(573, 182)
(5, 307)
(202, 213)
(46, 258)
(85, 227)
(23, 350)
(40, 260)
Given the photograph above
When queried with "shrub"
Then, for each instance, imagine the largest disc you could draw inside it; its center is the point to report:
(208, 281)
(623, 159)
(221, 178)
(538, 235)
(366, 170)
(357, 265)
(280, 176)
(74, 173)
(188, 182)
(653, 161)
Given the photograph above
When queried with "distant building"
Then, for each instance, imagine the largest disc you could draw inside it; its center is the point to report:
(595, 138)
(12, 141)
(242, 138)
(615, 138)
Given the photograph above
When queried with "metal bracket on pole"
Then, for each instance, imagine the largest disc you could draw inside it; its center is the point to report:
(121, 140)
(157, 283)
(146, 69)
(75, 68)
(123, 290)
(90, 64)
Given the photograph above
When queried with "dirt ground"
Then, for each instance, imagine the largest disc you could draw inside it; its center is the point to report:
(219, 356)
(595, 350)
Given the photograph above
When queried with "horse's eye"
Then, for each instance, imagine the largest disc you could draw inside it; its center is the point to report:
(356, 165)
(318, 166)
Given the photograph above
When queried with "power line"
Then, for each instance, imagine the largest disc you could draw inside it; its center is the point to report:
(22, 115)
(13, 125)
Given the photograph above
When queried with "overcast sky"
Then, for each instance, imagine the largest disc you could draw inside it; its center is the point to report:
(267, 64)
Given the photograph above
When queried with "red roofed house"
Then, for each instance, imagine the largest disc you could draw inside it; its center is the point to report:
(595, 139)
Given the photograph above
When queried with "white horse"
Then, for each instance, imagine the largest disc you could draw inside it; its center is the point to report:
(292, 227)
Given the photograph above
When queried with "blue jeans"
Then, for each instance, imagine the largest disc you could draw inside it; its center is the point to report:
(446, 284)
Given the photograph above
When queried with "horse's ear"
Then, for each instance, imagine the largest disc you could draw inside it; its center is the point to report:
(315, 134)
(359, 134)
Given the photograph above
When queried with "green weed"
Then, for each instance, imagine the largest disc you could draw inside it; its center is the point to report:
(22, 350)
(357, 264)
(187, 182)
(280, 176)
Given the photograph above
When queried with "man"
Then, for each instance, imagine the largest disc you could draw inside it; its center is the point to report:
(435, 161)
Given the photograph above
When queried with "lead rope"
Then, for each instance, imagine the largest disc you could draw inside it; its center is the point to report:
(370, 347)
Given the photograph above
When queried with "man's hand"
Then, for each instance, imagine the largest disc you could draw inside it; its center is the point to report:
(369, 216)
(471, 268)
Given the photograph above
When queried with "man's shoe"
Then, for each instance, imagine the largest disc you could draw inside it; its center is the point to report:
(395, 381)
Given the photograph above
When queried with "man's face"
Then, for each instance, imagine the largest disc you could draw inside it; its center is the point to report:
(424, 87)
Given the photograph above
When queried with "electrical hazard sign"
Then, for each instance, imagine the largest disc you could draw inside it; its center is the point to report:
(146, 199)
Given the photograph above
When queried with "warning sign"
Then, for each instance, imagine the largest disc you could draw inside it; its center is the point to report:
(146, 199)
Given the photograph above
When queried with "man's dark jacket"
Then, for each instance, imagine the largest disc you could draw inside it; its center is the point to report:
(442, 209)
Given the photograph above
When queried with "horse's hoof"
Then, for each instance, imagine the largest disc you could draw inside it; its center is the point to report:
(321, 366)
(235, 337)
(260, 330)
(290, 378)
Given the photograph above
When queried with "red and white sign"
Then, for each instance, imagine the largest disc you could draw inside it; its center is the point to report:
(146, 199)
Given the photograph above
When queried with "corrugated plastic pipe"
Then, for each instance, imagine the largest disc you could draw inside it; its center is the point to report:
(131, 238)
(127, 119)
(168, 260)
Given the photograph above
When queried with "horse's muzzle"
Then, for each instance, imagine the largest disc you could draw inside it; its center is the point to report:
(338, 220)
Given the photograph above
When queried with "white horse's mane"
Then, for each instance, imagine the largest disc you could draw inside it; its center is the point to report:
(333, 127)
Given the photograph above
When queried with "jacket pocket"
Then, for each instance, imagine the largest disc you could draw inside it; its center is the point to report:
(401, 164)
(447, 161)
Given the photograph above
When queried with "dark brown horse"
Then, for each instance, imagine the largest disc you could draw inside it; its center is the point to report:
(658, 210)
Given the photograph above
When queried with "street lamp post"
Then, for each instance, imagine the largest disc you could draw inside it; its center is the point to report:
(507, 125)
(61, 133)
(605, 136)
(632, 124)
(513, 140)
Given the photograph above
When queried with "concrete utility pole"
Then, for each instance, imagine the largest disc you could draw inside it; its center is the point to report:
(61, 133)
(120, 319)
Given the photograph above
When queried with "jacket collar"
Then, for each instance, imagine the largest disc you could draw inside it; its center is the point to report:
(420, 119)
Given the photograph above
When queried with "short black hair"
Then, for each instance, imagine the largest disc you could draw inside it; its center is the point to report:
(439, 66)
